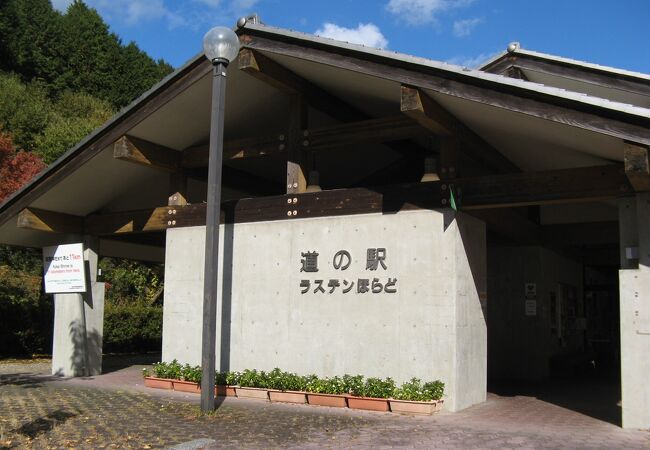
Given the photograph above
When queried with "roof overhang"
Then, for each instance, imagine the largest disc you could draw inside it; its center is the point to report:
(536, 127)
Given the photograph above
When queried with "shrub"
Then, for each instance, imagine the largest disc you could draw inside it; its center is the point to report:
(415, 390)
(191, 373)
(288, 381)
(233, 378)
(353, 384)
(220, 378)
(170, 370)
(434, 390)
(333, 385)
(378, 388)
(132, 327)
(253, 378)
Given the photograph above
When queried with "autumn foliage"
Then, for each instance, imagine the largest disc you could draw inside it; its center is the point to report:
(16, 167)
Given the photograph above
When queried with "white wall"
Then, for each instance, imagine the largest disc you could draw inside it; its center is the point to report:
(635, 313)
(432, 328)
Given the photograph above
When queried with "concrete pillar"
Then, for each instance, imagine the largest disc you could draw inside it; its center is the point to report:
(79, 324)
(635, 322)
(628, 236)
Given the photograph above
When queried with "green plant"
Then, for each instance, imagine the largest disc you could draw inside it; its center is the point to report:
(145, 372)
(191, 373)
(132, 327)
(353, 384)
(220, 378)
(170, 370)
(253, 378)
(233, 378)
(416, 391)
(434, 389)
(330, 385)
(378, 388)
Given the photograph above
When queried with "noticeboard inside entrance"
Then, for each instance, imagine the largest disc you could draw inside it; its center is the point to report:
(63, 268)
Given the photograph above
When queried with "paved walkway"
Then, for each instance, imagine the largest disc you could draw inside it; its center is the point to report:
(116, 411)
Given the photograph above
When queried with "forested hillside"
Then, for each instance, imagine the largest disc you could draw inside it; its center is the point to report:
(61, 76)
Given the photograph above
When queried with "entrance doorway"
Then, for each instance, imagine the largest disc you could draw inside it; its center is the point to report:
(553, 328)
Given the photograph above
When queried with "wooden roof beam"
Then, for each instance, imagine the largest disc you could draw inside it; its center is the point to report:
(265, 69)
(372, 131)
(145, 153)
(637, 167)
(429, 114)
(485, 192)
(50, 221)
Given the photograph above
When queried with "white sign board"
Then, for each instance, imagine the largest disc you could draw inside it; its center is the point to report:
(531, 307)
(63, 266)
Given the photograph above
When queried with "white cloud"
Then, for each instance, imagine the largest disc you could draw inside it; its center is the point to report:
(473, 62)
(367, 34)
(418, 12)
(210, 3)
(465, 27)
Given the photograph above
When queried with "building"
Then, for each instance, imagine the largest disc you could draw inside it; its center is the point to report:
(384, 214)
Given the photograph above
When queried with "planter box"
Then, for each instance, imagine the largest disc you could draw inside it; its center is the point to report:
(411, 407)
(158, 383)
(287, 396)
(368, 403)
(257, 393)
(333, 400)
(187, 386)
(225, 391)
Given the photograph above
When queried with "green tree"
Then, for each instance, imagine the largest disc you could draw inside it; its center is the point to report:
(25, 110)
(74, 115)
(30, 38)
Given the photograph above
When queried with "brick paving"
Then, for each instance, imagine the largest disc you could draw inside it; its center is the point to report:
(116, 411)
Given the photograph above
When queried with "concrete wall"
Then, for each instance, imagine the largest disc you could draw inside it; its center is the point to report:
(521, 346)
(433, 327)
(635, 312)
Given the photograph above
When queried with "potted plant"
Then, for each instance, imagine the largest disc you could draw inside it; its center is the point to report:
(163, 375)
(189, 379)
(252, 384)
(225, 382)
(413, 397)
(326, 391)
(286, 387)
(372, 395)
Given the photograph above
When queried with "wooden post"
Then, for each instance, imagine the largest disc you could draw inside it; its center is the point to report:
(449, 157)
(177, 189)
(297, 158)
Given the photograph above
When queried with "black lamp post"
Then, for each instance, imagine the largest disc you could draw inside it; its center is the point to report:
(221, 45)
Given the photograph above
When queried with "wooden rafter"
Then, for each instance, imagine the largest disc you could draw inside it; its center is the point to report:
(424, 110)
(145, 153)
(50, 221)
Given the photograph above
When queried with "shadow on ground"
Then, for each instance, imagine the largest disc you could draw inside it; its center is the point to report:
(595, 397)
(44, 424)
(24, 379)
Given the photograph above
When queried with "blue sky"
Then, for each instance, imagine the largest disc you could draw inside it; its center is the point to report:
(464, 32)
